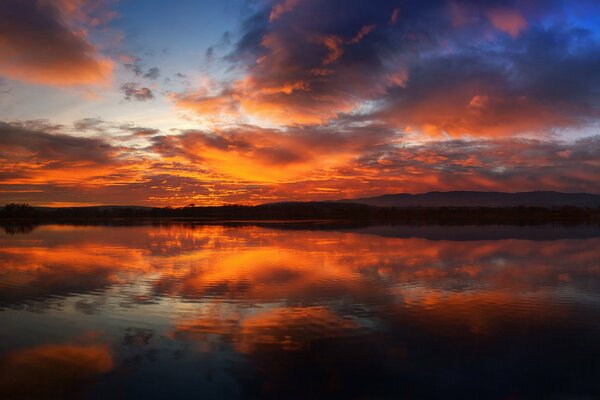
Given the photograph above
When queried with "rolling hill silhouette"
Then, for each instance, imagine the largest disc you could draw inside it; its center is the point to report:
(543, 199)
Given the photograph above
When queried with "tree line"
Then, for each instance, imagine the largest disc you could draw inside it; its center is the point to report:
(311, 211)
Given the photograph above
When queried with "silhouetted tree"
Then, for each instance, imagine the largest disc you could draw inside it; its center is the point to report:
(15, 210)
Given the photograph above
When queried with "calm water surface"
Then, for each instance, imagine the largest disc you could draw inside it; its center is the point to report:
(299, 311)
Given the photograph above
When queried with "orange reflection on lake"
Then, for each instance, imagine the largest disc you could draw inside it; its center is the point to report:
(316, 302)
(53, 370)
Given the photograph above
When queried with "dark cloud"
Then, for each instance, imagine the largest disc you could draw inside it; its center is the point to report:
(109, 128)
(134, 66)
(546, 80)
(37, 125)
(259, 150)
(480, 68)
(209, 54)
(4, 87)
(88, 124)
(153, 73)
(21, 144)
(134, 92)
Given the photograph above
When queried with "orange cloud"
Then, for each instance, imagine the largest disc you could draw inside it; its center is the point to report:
(279, 9)
(286, 86)
(265, 155)
(425, 76)
(394, 16)
(464, 112)
(364, 31)
(335, 44)
(250, 165)
(91, 13)
(35, 156)
(223, 104)
(509, 21)
(29, 29)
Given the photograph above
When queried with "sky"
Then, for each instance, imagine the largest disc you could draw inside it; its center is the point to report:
(158, 103)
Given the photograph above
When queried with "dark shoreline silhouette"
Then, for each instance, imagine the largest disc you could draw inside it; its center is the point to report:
(545, 199)
(304, 211)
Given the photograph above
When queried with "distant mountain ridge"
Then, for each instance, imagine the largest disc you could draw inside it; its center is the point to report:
(481, 199)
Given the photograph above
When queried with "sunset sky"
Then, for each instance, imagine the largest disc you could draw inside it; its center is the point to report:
(160, 103)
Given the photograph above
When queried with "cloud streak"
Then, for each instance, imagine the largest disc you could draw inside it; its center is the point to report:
(135, 92)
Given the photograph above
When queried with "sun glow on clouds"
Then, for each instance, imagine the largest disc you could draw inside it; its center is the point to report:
(47, 43)
(307, 101)
(509, 21)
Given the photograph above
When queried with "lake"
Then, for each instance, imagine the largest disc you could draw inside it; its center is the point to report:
(299, 310)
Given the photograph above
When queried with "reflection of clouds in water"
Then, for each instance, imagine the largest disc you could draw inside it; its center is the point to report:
(265, 265)
(137, 336)
(353, 314)
(89, 306)
(17, 228)
(286, 328)
(53, 370)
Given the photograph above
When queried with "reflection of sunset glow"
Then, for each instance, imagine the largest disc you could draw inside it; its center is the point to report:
(258, 265)
(52, 370)
(260, 297)
(148, 113)
(284, 328)
(254, 263)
